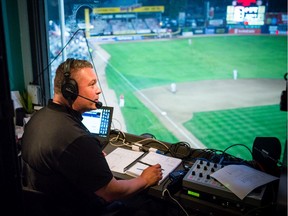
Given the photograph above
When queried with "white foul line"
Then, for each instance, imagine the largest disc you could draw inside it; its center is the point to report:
(150, 102)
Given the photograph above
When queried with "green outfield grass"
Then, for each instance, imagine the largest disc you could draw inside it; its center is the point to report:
(238, 126)
(138, 65)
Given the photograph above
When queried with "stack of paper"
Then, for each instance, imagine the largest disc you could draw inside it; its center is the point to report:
(133, 163)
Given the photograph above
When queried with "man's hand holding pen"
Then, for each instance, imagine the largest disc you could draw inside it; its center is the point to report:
(152, 174)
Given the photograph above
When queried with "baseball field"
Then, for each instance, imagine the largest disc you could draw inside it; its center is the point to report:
(226, 89)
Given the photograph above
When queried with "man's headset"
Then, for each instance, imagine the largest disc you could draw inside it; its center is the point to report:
(69, 87)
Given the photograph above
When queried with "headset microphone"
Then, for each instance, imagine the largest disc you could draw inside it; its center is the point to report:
(98, 103)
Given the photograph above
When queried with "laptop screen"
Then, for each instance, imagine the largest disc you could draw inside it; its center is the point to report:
(98, 122)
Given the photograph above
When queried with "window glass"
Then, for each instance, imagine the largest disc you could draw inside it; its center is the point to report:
(181, 72)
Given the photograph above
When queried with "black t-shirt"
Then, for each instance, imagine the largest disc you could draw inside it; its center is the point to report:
(65, 160)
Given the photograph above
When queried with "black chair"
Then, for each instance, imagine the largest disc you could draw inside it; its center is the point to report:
(36, 203)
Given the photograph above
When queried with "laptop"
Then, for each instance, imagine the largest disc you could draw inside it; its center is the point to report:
(98, 122)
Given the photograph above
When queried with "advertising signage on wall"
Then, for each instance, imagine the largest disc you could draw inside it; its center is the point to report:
(112, 10)
(245, 31)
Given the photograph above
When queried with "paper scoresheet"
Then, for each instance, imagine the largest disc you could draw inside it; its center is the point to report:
(241, 179)
(121, 158)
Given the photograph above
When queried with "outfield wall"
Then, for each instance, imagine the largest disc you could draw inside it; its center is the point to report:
(210, 30)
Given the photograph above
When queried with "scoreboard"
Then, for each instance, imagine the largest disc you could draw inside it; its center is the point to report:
(247, 15)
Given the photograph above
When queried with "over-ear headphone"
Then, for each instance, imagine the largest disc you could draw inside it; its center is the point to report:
(69, 86)
(267, 151)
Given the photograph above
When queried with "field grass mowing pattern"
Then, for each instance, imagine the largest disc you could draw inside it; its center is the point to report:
(219, 129)
(156, 63)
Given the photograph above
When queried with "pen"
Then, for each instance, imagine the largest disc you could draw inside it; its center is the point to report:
(130, 165)
(147, 164)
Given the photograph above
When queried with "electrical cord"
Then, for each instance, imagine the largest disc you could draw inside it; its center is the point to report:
(121, 137)
(141, 145)
(215, 156)
(165, 183)
(172, 198)
(152, 140)
(61, 51)
(231, 157)
(238, 145)
(113, 125)
(91, 57)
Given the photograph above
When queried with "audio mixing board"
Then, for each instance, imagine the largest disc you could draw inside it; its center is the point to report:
(199, 184)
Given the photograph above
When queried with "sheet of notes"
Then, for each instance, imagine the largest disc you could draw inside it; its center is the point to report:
(120, 158)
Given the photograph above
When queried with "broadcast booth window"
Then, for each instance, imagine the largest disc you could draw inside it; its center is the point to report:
(212, 83)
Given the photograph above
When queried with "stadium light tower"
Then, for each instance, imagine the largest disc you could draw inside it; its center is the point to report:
(62, 27)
